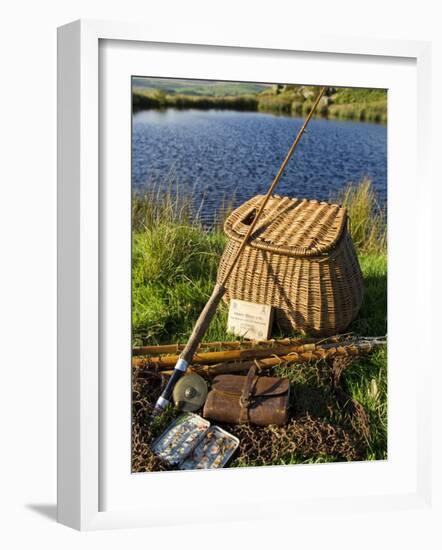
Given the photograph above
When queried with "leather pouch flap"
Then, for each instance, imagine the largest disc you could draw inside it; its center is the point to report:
(265, 386)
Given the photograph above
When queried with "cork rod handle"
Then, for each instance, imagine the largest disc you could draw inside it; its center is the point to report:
(203, 323)
(188, 352)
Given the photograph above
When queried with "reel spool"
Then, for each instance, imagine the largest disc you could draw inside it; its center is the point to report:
(190, 392)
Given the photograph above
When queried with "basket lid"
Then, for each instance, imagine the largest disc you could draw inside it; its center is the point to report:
(290, 226)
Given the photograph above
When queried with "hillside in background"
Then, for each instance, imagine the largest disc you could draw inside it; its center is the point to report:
(198, 87)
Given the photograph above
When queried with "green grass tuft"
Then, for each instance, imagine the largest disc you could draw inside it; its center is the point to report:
(368, 226)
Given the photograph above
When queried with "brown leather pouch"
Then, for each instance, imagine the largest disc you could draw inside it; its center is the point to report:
(256, 399)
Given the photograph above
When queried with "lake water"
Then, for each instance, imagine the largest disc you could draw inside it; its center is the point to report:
(230, 155)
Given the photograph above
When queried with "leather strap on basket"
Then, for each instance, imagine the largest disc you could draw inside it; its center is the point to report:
(246, 394)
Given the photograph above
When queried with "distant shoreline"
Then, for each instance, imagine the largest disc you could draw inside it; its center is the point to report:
(346, 104)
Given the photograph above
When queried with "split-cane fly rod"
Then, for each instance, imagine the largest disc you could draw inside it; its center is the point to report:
(218, 292)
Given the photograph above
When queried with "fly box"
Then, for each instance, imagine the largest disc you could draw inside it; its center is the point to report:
(190, 443)
(180, 438)
(213, 451)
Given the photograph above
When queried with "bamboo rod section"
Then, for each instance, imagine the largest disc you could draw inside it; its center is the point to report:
(245, 344)
(220, 356)
(238, 360)
(353, 349)
(202, 358)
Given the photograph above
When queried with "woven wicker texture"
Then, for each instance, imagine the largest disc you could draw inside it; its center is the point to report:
(300, 259)
(289, 226)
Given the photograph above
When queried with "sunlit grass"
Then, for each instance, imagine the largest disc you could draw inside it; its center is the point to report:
(368, 226)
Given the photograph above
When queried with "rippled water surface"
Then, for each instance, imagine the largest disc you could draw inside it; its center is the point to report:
(229, 155)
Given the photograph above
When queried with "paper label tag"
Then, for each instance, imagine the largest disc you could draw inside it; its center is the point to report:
(248, 320)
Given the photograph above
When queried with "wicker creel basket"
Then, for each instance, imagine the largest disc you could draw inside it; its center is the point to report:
(300, 259)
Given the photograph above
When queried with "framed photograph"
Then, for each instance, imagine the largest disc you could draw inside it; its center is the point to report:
(235, 227)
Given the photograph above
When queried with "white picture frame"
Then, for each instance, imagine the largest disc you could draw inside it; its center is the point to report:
(82, 399)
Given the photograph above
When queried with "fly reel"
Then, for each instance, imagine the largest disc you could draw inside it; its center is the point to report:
(190, 392)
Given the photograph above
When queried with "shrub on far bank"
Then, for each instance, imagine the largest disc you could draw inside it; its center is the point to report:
(344, 103)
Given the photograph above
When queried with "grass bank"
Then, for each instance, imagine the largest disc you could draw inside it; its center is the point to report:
(342, 103)
(157, 99)
(175, 261)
